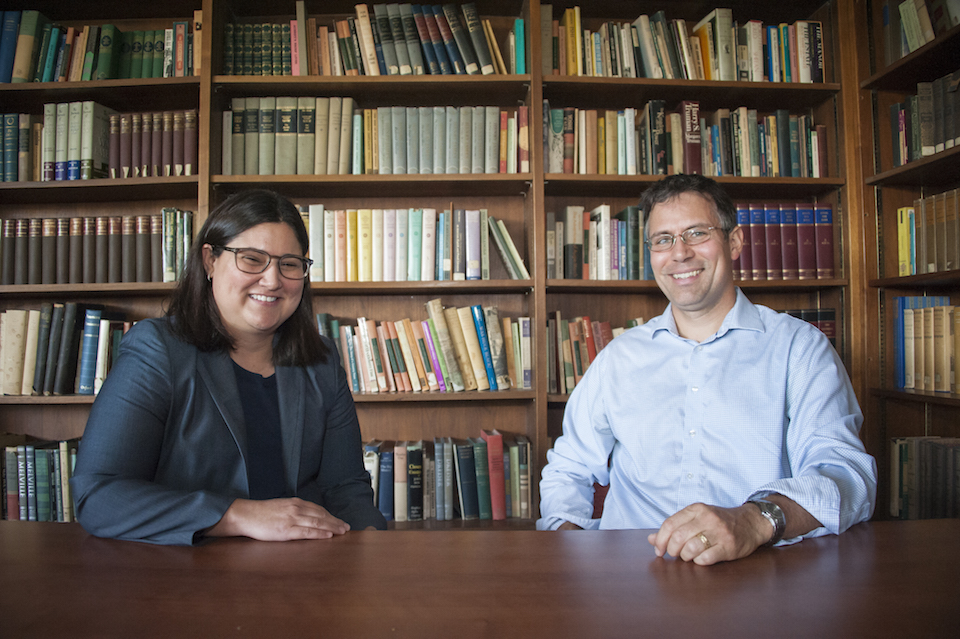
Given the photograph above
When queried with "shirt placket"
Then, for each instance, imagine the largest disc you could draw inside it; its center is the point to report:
(691, 435)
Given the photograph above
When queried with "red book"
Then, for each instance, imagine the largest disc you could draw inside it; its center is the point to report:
(114, 156)
(598, 337)
(156, 145)
(166, 146)
(745, 262)
(136, 139)
(126, 128)
(498, 501)
(806, 242)
(146, 143)
(606, 333)
(758, 235)
(788, 241)
(588, 340)
(771, 214)
(690, 117)
(179, 49)
(823, 225)
(178, 149)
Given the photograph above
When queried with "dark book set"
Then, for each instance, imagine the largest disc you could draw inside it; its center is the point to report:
(35, 479)
(928, 122)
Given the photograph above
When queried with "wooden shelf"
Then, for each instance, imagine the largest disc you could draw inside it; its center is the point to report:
(941, 169)
(152, 94)
(948, 279)
(929, 62)
(444, 185)
(566, 184)
(126, 289)
(423, 288)
(100, 190)
(916, 396)
(436, 396)
(47, 400)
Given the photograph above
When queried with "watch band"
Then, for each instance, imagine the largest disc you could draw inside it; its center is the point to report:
(774, 514)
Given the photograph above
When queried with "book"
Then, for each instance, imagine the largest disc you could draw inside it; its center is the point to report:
(495, 471)
(465, 470)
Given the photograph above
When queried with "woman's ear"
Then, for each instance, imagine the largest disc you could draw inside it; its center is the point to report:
(208, 259)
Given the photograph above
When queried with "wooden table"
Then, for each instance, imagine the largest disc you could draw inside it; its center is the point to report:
(879, 579)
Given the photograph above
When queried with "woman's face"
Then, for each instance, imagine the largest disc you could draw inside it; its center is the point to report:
(253, 306)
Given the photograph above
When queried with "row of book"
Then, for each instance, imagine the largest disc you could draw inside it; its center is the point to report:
(824, 319)
(593, 244)
(653, 46)
(925, 343)
(485, 477)
(573, 344)
(928, 122)
(414, 245)
(58, 349)
(924, 477)
(910, 24)
(86, 140)
(35, 49)
(928, 234)
(96, 250)
(35, 477)
(655, 141)
(397, 39)
(332, 136)
(454, 349)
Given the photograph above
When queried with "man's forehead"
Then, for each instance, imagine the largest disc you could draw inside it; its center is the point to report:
(688, 205)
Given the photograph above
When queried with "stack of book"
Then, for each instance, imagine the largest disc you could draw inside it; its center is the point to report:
(485, 477)
(652, 46)
(58, 349)
(928, 122)
(928, 234)
(36, 478)
(453, 350)
(415, 245)
(34, 49)
(397, 39)
(96, 250)
(786, 241)
(332, 136)
(654, 141)
(925, 352)
(573, 344)
(910, 24)
(924, 477)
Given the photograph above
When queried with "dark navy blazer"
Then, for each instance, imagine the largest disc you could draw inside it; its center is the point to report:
(163, 453)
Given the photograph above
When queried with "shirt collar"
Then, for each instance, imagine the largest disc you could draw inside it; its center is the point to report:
(744, 315)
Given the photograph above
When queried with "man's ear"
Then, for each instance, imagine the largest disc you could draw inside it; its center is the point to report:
(736, 242)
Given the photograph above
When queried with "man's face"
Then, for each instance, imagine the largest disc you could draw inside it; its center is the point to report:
(696, 279)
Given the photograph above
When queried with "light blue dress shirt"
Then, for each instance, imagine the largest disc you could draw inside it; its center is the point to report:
(765, 404)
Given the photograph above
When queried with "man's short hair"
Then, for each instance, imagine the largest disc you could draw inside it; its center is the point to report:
(673, 186)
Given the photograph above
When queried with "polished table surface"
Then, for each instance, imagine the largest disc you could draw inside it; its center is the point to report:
(879, 579)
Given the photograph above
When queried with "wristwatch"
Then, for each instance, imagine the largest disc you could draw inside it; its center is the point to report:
(772, 513)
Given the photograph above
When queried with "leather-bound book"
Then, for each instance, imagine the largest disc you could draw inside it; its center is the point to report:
(9, 250)
(166, 148)
(21, 251)
(101, 250)
(128, 249)
(156, 248)
(76, 250)
(136, 139)
(146, 143)
(126, 151)
(178, 156)
(114, 250)
(48, 251)
(34, 247)
(63, 250)
(113, 160)
(156, 145)
(89, 252)
(190, 142)
(141, 248)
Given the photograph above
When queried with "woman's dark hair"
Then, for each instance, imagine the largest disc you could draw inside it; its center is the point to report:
(196, 318)
(675, 185)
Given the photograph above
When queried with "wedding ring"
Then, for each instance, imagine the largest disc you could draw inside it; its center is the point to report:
(703, 540)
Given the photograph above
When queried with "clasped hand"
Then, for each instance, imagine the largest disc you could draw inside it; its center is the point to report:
(709, 534)
(278, 520)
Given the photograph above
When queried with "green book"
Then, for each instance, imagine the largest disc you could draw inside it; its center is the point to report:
(246, 51)
(28, 45)
(109, 53)
(286, 59)
(90, 55)
(444, 371)
(126, 55)
(41, 465)
(148, 53)
(42, 51)
(228, 48)
(266, 49)
(136, 61)
(159, 52)
(53, 49)
(483, 477)
(276, 48)
(256, 50)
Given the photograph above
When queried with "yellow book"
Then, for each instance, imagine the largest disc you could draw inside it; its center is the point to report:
(904, 240)
(461, 351)
(601, 144)
(352, 244)
(472, 341)
(929, 352)
(364, 245)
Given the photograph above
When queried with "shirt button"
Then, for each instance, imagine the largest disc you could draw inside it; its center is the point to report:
(693, 433)
(694, 389)
(689, 475)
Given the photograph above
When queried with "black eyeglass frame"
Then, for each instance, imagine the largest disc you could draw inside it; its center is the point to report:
(307, 262)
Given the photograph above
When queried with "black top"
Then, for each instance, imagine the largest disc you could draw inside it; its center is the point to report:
(261, 412)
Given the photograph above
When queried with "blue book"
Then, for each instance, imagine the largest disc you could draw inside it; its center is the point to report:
(385, 489)
(439, 492)
(519, 34)
(11, 137)
(426, 43)
(449, 43)
(9, 31)
(351, 359)
(88, 352)
(433, 29)
(357, 150)
(378, 47)
(715, 143)
(413, 140)
(441, 246)
(481, 324)
(50, 61)
(29, 487)
(622, 229)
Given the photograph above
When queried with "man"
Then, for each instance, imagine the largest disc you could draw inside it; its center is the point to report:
(726, 425)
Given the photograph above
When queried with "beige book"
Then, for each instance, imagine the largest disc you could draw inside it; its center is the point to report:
(418, 379)
(928, 349)
(942, 348)
(30, 352)
(332, 137)
(346, 130)
(400, 481)
(918, 351)
(909, 354)
(472, 341)
(435, 312)
(470, 381)
(65, 474)
(13, 338)
(321, 135)
(371, 375)
(364, 245)
(414, 333)
(351, 247)
(370, 66)
(508, 347)
(285, 138)
(956, 349)
(391, 376)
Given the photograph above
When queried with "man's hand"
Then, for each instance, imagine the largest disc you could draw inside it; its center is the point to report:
(730, 533)
(568, 526)
(278, 520)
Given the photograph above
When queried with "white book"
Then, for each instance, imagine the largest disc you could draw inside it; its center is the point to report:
(385, 140)
(491, 142)
(755, 49)
(226, 151)
(346, 129)
(525, 352)
(306, 135)
(364, 245)
(453, 140)
(317, 241)
(333, 135)
(48, 142)
(428, 250)
(651, 64)
(389, 245)
(321, 135)
(103, 355)
(414, 243)
(512, 144)
(95, 140)
(466, 139)
(472, 237)
(334, 47)
(439, 140)
(377, 248)
(30, 350)
(366, 349)
(268, 135)
(630, 124)
(237, 152)
(398, 127)
(400, 268)
(601, 215)
(413, 144)
(425, 147)
(62, 140)
(329, 245)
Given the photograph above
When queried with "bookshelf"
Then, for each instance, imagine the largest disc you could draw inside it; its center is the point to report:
(522, 200)
(887, 79)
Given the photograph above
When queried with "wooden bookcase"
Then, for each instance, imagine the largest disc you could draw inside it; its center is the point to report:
(897, 412)
(522, 200)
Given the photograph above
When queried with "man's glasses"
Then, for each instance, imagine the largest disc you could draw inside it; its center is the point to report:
(254, 261)
(691, 237)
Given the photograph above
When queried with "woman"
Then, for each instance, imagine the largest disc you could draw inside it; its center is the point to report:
(230, 416)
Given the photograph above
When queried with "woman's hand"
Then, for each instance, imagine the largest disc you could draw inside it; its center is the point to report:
(278, 520)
